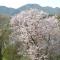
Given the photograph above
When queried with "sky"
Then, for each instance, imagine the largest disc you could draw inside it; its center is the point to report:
(19, 3)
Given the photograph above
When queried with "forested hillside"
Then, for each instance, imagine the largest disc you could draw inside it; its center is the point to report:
(12, 11)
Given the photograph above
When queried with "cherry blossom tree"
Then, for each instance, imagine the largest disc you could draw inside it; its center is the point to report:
(37, 31)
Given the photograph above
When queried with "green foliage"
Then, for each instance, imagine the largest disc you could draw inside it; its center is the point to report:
(58, 57)
(50, 15)
(4, 20)
(4, 37)
(58, 17)
(53, 56)
(4, 33)
(10, 53)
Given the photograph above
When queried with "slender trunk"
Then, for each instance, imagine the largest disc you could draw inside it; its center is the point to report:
(1, 43)
(48, 44)
(0, 53)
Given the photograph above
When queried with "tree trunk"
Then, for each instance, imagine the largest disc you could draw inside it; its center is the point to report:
(0, 53)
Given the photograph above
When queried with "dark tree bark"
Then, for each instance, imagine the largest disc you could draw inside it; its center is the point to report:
(0, 53)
